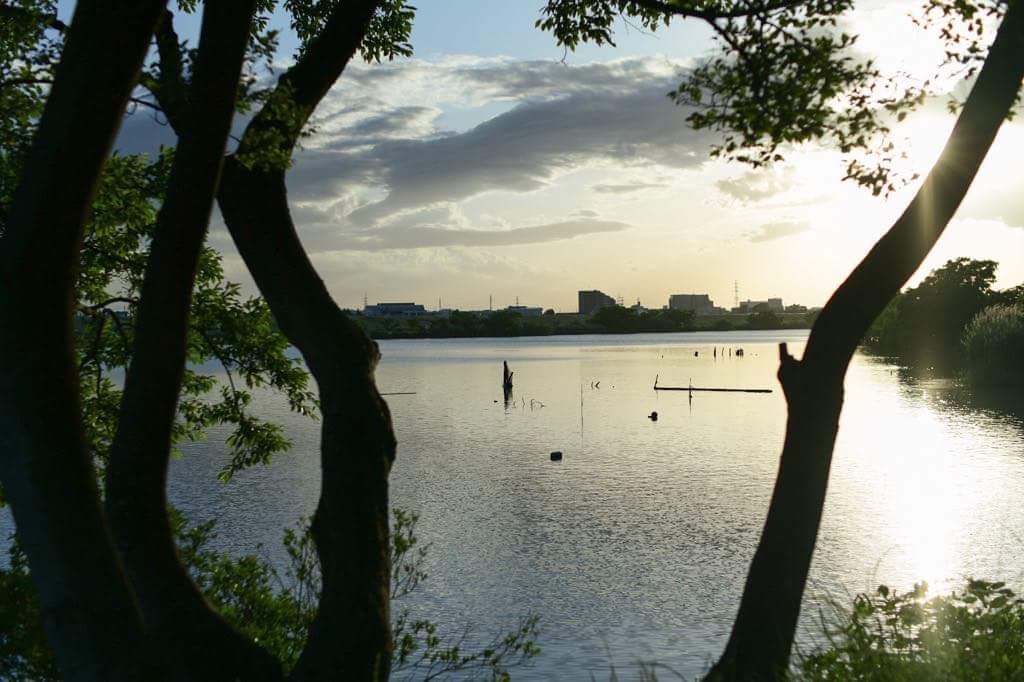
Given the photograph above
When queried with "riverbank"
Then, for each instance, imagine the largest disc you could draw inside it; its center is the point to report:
(501, 324)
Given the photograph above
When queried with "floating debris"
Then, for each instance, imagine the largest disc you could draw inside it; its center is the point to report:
(653, 416)
(691, 389)
(556, 456)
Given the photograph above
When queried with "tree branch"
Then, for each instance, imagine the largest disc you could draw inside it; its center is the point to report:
(303, 85)
(170, 88)
(90, 617)
(350, 637)
(203, 645)
(711, 15)
(47, 20)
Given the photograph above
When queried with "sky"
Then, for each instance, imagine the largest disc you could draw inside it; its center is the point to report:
(493, 163)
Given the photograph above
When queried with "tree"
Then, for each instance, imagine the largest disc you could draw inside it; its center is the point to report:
(615, 318)
(94, 625)
(924, 324)
(783, 77)
(90, 611)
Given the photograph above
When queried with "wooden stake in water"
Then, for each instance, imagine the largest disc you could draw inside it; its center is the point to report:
(581, 414)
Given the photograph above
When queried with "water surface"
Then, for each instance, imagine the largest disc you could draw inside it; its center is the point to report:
(636, 545)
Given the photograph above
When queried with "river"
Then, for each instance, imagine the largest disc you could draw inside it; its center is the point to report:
(635, 546)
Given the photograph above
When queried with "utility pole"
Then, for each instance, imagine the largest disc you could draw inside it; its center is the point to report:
(736, 293)
(490, 301)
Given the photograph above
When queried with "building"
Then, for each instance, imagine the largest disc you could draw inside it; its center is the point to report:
(394, 310)
(525, 310)
(701, 304)
(773, 304)
(591, 301)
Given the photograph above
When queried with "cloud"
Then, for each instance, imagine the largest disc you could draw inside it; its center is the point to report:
(626, 188)
(778, 230)
(564, 117)
(523, 149)
(408, 237)
(397, 122)
(753, 186)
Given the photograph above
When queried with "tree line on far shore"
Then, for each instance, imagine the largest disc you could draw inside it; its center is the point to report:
(953, 322)
(608, 320)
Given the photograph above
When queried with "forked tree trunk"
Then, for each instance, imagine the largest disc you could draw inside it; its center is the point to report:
(200, 643)
(351, 635)
(762, 635)
(89, 614)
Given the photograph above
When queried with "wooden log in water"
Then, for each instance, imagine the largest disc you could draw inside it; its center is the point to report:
(717, 390)
(691, 389)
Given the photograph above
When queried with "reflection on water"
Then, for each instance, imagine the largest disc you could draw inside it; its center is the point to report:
(636, 545)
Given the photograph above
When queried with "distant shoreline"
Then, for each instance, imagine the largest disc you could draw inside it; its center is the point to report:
(580, 332)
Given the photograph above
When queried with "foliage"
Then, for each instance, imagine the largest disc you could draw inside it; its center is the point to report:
(274, 609)
(24, 654)
(619, 319)
(29, 49)
(786, 73)
(611, 320)
(226, 328)
(236, 333)
(976, 634)
(993, 346)
(764, 319)
(924, 324)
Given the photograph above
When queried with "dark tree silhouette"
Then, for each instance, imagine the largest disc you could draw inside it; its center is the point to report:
(89, 610)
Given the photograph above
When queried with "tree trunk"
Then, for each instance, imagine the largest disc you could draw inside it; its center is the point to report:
(762, 635)
(200, 643)
(89, 614)
(351, 636)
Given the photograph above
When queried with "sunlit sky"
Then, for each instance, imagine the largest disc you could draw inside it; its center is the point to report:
(492, 163)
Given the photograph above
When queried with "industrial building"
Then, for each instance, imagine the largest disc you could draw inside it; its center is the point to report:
(593, 300)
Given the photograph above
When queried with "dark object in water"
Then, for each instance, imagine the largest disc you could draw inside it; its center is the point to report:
(691, 388)
(653, 416)
(556, 456)
(506, 377)
(739, 352)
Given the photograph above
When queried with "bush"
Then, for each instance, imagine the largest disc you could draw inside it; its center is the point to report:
(277, 610)
(993, 343)
(973, 635)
